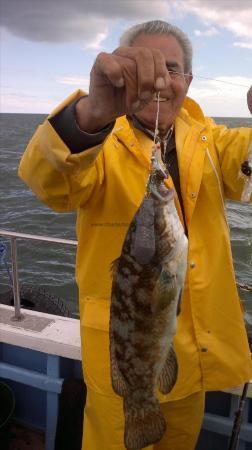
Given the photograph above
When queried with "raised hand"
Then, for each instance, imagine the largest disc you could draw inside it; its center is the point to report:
(121, 83)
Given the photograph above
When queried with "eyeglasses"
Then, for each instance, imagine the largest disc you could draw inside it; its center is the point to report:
(175, 75)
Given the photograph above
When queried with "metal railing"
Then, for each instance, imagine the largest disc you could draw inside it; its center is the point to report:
(13, 236)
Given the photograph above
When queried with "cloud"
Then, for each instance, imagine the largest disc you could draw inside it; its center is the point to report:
(81, 82)
(20, 102)
(95, 44)
(225, 94)
(75, 20)
(210, 32)
(234, 16)
(88, 21)
(243, 45)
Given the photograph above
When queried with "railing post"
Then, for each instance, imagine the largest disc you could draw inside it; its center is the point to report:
(18, 315)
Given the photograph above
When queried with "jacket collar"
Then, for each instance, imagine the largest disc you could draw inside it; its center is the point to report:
(190, 116)
(192, 110)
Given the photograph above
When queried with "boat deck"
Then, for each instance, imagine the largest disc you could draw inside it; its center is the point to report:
(40, 352)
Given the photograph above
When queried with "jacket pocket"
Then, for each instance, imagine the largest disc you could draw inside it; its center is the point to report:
(95, 313)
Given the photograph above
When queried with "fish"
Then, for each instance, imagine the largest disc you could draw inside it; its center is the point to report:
(148, 279)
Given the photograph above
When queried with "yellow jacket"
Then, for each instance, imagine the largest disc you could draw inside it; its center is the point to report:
(106, 185)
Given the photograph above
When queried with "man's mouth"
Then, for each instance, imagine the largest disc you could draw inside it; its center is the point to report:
(161, 99)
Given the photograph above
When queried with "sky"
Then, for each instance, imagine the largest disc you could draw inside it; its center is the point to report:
(49, 46)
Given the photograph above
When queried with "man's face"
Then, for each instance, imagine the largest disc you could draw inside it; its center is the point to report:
(177, 88)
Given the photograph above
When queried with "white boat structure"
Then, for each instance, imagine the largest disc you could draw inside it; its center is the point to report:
(38, 351)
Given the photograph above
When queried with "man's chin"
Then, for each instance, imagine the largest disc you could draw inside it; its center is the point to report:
(149, 120)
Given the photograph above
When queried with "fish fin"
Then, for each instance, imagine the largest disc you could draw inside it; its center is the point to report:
(143, 426)
(143, 248)
(114, 266)
(118, 382)
(179, 303)
(169, 373)
(165, 290)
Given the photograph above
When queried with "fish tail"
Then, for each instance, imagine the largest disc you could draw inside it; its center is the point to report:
(143, 426)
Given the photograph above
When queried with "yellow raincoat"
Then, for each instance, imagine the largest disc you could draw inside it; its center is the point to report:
(106, 185)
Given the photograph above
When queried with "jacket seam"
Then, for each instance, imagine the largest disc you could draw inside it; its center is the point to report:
(219, 185)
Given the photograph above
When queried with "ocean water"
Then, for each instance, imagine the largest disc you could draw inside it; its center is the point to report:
(51, 265)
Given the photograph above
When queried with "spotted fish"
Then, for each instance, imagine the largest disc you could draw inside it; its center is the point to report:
(148, 278)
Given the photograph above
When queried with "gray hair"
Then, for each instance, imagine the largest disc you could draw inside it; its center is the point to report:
(160, 27)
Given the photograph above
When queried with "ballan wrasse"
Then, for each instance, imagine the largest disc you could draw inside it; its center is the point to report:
(148, 279)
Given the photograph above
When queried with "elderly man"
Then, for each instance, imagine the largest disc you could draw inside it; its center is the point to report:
(92, 154)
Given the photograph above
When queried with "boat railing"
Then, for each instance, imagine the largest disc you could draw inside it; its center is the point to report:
(14, 236)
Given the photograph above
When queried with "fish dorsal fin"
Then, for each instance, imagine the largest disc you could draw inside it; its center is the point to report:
(117, 379)
(165, 290)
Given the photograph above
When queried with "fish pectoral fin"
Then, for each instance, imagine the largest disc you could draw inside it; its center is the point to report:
(169, 373)
(179, 302)
(118, 382)
(165, 290)
(144, 245)
(143, 425)
(114, 266)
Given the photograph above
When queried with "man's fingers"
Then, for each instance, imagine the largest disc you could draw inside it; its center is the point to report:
(139, 71)
(129, 70)
(144, 68)
(161, 71)
(120, 72)
(107, 65)
(150, 66)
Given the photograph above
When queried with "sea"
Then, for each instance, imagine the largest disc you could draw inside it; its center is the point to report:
(52, 266)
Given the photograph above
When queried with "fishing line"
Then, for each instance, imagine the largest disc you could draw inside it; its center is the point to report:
(208, 78)
(222, 81)
(157, 118)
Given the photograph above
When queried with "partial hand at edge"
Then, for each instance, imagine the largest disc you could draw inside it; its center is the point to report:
(249, 99)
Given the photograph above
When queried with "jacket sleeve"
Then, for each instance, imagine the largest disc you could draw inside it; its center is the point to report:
(77, 140)
(232, 146)
(60, 179)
